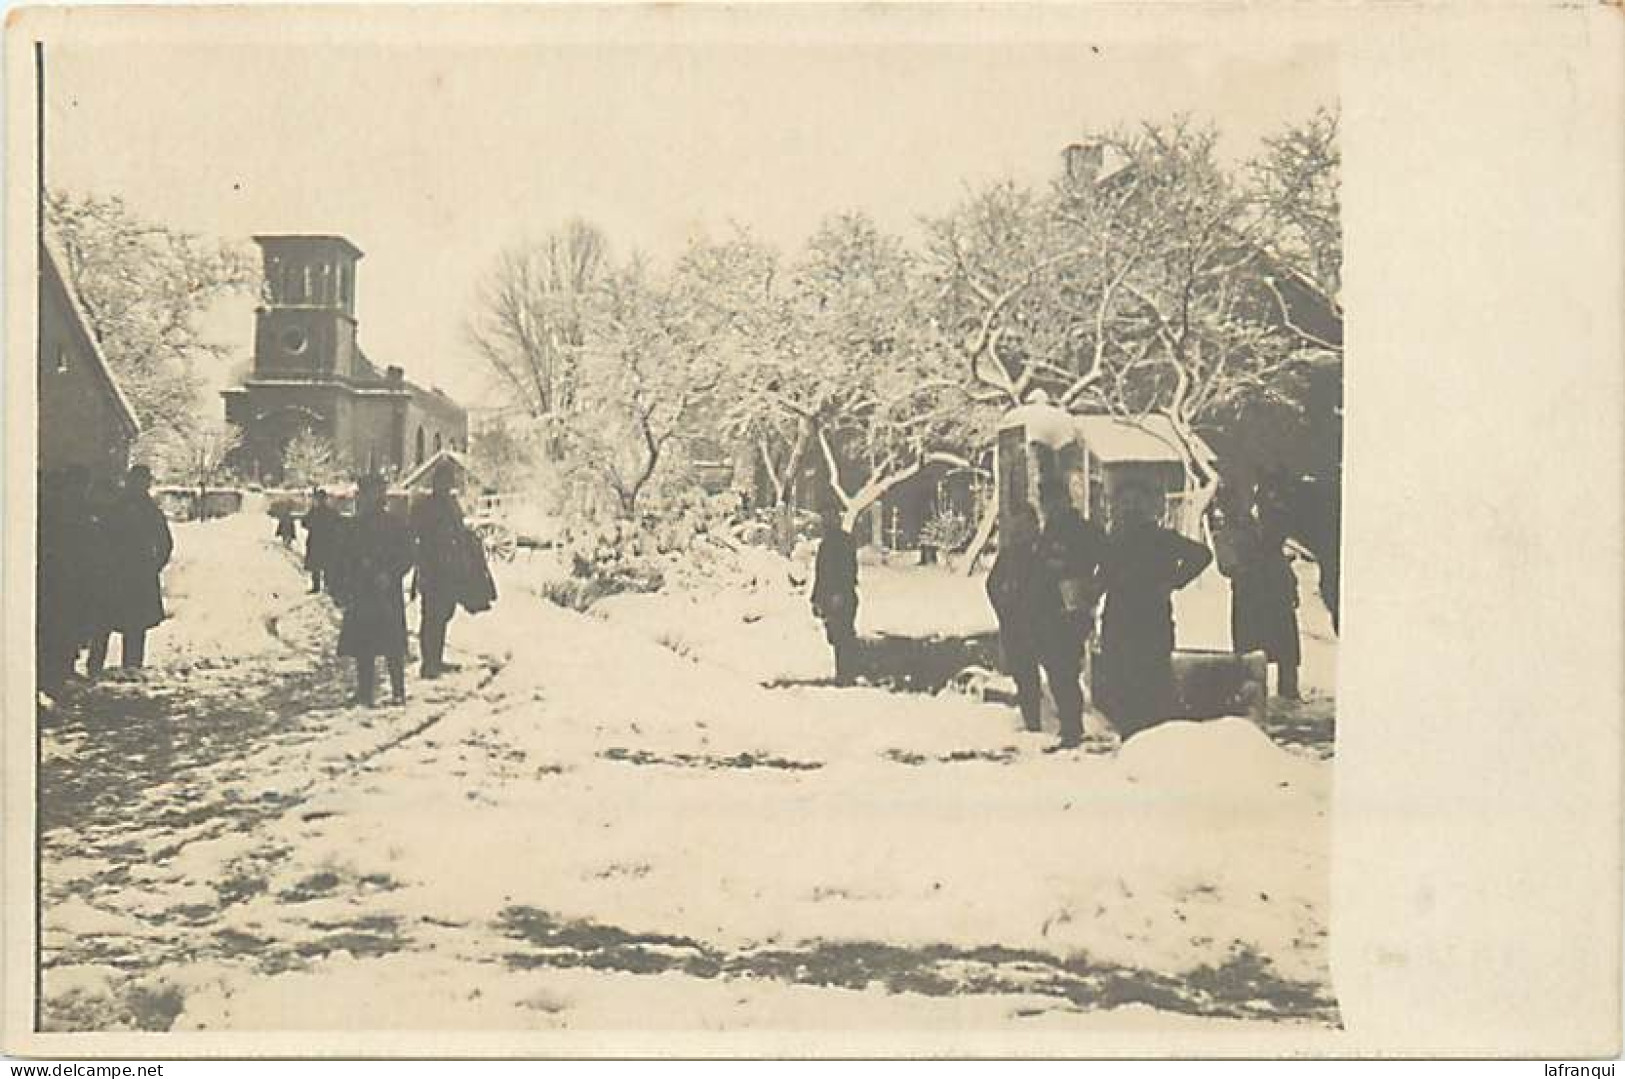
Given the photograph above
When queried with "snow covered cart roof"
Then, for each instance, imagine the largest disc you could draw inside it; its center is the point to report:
(1115, 441)
(423, 475)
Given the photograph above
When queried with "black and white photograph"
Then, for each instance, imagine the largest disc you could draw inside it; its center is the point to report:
(683, 533)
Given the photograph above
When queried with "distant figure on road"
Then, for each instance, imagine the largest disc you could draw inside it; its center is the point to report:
(376, 553)
(442, 570)
(284, 526)
(1144, 565)
(835, 592)
(1263, 590)
(321, 538)
(142, 549)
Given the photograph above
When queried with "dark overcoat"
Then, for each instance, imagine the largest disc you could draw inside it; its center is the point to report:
(1143, 567)
(1263, 592)
(321, 537)
(437, 525)
(1070, 550)
(141, 548)
(100, 567)
(63, 590)
(835, 585)
(1023, 596)
(373, 559)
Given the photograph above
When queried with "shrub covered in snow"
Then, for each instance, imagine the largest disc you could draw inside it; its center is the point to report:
(684, 541)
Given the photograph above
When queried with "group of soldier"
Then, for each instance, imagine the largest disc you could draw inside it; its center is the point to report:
(101, 547)
(1055, 569)
(363, 561)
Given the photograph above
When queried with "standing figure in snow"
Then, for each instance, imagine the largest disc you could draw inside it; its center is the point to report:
(376, 554)
(1071, 549)
(1144, 565)
(61, 592)
(835, 592)
(142, 549)
(284, 526)
(1036, 629)
(1263, 589)
(321, 538)
(437, 525)
(100, 568)
(1043, 587)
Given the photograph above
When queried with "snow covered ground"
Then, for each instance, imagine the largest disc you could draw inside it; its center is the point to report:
(607, 822)
(766, 632)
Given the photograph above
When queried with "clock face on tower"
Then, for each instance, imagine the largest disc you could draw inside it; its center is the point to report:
(294, 341)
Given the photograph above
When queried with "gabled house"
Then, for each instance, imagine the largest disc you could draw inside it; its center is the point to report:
(84, 417)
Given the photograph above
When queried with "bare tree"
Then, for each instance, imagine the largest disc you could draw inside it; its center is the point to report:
(645, 362)
(1143, 291)
(145, 288)
(1297, 185)
(529, 315)
(195, 455)
(855, 376)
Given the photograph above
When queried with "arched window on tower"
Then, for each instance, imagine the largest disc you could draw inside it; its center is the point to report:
(273, 281)
(420, 445)
(437, 442)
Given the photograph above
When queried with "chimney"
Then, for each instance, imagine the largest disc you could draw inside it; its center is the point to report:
(1093, 164)
(394, 375)
(1082, 162)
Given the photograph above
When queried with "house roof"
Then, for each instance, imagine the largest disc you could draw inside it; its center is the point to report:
(1114, 440)
(52, 263)
(419, 476)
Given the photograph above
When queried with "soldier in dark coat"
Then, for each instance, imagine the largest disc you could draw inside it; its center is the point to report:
(835, 593)
(61, 588)
(1263, 590)
(437, 525)
(100, 568)
(1144, 565)
(321, 538)
(284, 526)
(1044, 587)
(375, 555)
(142, 549)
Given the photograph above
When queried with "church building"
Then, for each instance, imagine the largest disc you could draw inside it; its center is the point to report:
(310, 373)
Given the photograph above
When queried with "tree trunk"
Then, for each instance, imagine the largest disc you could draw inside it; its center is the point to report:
(784, 526)
(784, 529)
(984, 528)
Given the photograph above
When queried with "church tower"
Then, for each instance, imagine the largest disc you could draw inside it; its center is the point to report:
(305, 328)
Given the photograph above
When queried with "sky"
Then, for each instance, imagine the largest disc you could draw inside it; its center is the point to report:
(434, 157)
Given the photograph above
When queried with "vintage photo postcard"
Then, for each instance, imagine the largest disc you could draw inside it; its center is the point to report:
(896, 530)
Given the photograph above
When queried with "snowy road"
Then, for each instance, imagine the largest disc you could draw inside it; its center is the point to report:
(585, 830)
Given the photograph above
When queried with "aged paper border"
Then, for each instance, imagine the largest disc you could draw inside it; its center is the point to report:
(1477, 830)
